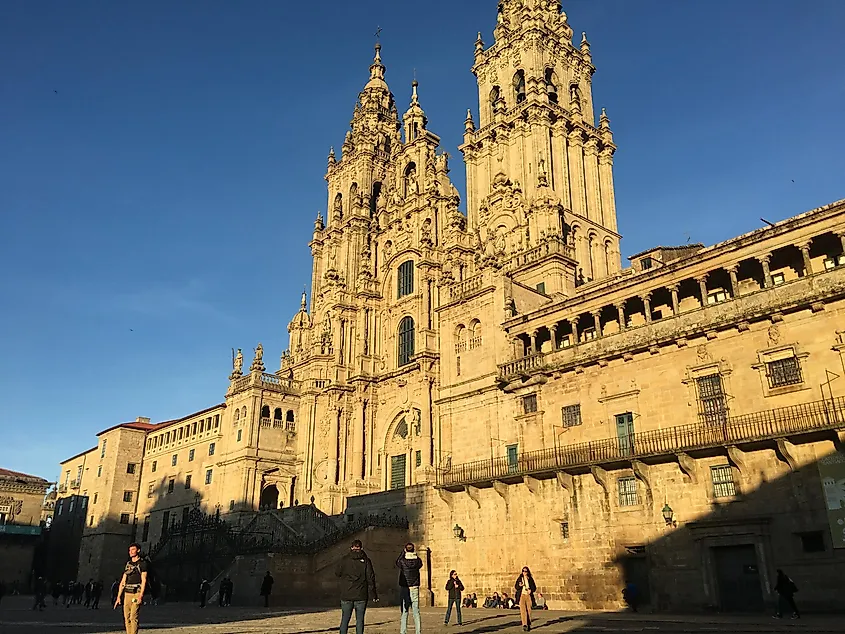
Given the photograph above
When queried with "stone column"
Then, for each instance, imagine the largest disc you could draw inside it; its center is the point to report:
(805, 254)
(732, 270)
(842, 240)
(767, 274)
(647, 307)
(620, 308)
(534, 334)
(553, 332)
(702, 286)
(597, 322)
(574, 322)
(608, 200)
(576, 172)
(675, 303)
(591, 179)
(518, 347)
(353, 469)
(334, 432)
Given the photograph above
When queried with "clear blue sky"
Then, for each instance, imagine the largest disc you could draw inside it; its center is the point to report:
(161, 165)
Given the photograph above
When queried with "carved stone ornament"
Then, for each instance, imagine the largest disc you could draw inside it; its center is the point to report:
(774, 335)
(14, 506)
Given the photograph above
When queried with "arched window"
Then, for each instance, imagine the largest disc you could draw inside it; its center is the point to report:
(551, 85)
(277, 413)
(405, 279)
(495, 94)
(243, 412)
(265, 412)
(290, 423)
(374, 199)
(519, 85)
(353, 191)
(237, 416)
(406, 340)
(474, 334)
(575, 94)
(460, 338)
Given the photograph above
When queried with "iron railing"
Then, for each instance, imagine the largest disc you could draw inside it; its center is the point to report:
(766, 425)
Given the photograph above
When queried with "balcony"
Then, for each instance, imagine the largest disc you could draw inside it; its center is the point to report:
(819, 418)
(523, 365)
(74, 484)
(62, 489)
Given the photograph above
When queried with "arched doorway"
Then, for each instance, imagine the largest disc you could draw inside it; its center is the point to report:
(269, 498)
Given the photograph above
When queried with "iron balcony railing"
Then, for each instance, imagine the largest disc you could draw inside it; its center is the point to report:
(766, 425)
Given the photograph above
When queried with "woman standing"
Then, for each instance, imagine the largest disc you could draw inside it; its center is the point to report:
(455, 587)
(525, 588)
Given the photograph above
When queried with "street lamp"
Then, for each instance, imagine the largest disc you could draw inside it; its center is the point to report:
(669, 515)
(458, 532)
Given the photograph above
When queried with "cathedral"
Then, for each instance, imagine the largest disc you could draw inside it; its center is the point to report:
(501, 379)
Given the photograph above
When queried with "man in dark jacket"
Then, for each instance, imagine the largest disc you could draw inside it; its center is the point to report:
(357, 585)
(409, 565)
(267, 588)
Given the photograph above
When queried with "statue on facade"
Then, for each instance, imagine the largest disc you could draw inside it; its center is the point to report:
(510, 307)
(416, 421)
(412, 181)
(258, 360)
(237, 364)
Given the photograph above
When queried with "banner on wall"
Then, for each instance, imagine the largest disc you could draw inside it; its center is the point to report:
(832, 472)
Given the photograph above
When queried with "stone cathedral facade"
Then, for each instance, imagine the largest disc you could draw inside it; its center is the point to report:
(499, 377)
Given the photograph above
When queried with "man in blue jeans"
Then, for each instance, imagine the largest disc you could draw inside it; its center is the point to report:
(409, 565)
(357, 585)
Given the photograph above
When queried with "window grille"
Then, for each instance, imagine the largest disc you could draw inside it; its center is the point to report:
(405, 279)
(571, 415)
(124, 518)
(406, 340)
(564, 530)
(529, 404)
(722, 477)
(712, 404)
(784, 372)
(627, 491)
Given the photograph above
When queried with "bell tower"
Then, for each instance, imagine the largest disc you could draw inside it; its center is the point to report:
(539, 169)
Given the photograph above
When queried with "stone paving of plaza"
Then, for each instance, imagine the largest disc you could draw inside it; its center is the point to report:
(16, 617)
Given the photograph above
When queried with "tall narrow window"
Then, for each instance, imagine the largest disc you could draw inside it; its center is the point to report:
(513, 457)
(397, 471)
(712, 403)
(551, 85)
(405, 279)
(529, 404)
(519, 86)
(627, 491)
(103, 450)
(406, 340)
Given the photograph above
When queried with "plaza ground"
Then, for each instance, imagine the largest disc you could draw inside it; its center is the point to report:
(17, 617)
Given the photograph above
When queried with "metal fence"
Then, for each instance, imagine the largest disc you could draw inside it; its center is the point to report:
(765, 425)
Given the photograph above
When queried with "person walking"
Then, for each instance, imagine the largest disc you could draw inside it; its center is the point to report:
(40, 593)
(409, 565)
(525, 588)
(204, 588)
(357, 586)
(89, 589)
(96, 593)
(130, 592)
(455, 587)
(114, 589)
(786, 589)
(267, 588)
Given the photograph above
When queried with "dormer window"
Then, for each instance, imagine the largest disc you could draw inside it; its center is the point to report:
(645, 264)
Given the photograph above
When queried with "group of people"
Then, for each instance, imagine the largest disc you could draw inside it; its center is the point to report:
(224, 593)
(358, 586)
(68, 593)
(505, 602)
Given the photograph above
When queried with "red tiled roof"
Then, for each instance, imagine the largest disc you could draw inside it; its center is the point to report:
(7, 473)
(81, 453)
(156, 426)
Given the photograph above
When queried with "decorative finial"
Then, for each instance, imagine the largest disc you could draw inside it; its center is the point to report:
(585, 44)
(479, 44)
(604, 120)
(304, 303)
(237, 365)
(414, 98)
(319, 224)
(332, 158)
(469, 124)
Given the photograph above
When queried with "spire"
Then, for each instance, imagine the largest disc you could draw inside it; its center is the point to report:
(604, 120)
(479, 44)
(304, 302)
(585, 45)
(414, 119)
(332, 157)
(469, 124)
(377, 71)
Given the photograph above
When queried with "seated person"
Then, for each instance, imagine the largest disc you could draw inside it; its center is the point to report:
(488, 602)
(541, 602)
(474, 600)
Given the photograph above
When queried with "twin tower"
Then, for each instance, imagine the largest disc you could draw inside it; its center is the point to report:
(540, 210)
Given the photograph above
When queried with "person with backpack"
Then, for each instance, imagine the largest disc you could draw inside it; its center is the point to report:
(357, 586)
(786, 589)
(409, 565)
(132, 587)
(455, 587)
